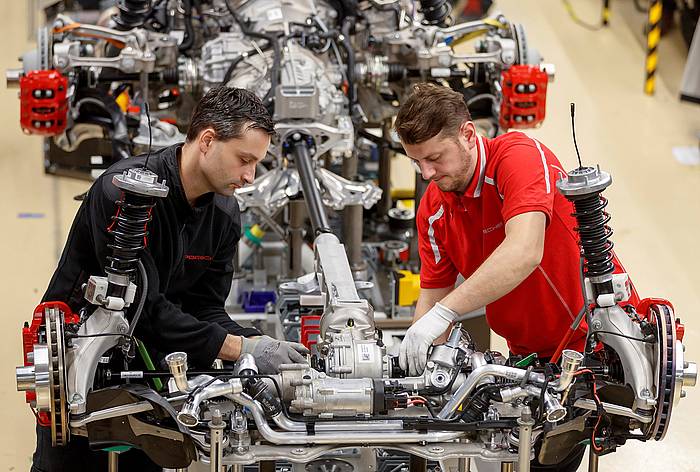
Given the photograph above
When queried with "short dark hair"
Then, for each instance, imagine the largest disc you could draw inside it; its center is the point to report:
(230, 112)
(431, 109)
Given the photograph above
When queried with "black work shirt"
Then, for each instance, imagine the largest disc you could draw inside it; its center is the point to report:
(188, 260)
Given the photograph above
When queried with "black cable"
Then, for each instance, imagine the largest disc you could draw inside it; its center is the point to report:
(142, 299)
(100, 335)
(150, 132)
(641, 340)
(273, 41)
(348, 23)
(188, 40)
(573, 131)
(540, 407)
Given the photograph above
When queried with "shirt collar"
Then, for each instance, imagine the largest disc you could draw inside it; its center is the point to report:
(180, 198)
(477, 181)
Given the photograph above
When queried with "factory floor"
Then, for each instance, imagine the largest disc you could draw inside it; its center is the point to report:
(655, 200)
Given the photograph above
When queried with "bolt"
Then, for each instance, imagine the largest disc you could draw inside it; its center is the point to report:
(437, 449)
(645, 393)
(597, 324)
(430, 365)
(298, 451)
(216, 417)
(296, 136)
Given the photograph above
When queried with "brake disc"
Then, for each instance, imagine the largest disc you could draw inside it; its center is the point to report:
(57, 377)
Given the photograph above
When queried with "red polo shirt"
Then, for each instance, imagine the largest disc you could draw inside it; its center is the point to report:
(514, 174)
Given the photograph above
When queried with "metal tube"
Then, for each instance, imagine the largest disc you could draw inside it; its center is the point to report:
(506, 467)
(352, 221)
(352, 235)
(592, 460)
(297, 213)
(177, 363)
(378, 426)
(216, 432)
(525, 423)
(554, 411)
(312, 195)
(340, 437)
(189, 413)
(463, 463)
(570, 362)
(113, 461)
(385, 171)
(476, 376)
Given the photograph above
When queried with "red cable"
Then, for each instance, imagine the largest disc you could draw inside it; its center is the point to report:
(564, 342)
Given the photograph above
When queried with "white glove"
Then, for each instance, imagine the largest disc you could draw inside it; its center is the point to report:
(419, 337)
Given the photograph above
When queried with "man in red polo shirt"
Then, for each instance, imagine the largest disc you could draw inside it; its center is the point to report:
(491, 213)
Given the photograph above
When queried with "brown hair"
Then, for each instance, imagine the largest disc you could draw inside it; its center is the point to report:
(431, 109)
(230, 112)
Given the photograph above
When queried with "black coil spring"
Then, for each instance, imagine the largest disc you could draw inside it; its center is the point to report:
(435, 12)
(130, 230)
(132, 13)
(595, 234)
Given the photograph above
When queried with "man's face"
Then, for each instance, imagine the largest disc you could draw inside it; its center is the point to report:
(228, 165)
(449, 161)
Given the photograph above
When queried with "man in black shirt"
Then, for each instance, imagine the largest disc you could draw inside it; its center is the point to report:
(188, 259)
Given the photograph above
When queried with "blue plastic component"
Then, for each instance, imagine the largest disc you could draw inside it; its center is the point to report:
(254, 301)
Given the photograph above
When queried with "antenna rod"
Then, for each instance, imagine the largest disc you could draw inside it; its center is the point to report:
(573, 131)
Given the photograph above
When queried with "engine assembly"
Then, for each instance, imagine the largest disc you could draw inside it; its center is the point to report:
(331, 73)
(339, 67)
(352, 395)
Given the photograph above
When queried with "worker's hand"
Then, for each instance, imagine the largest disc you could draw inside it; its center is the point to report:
(419, 337)
(269, 353)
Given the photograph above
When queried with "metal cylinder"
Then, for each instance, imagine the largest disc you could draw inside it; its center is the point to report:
(216, 431)
(297, 213)
(352, 235)
(507, 467)
(570, 362)
(12, 77)
(385, 172)
(25, 378)
(312, 195)
(177, 363)
(525, 424)
(113, 461)
(592, 460)
(352, 221)
(246, 363)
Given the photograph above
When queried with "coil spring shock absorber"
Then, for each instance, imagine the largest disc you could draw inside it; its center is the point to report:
(583, 186)
(435, 12)
(140, 188)
(132, 13)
